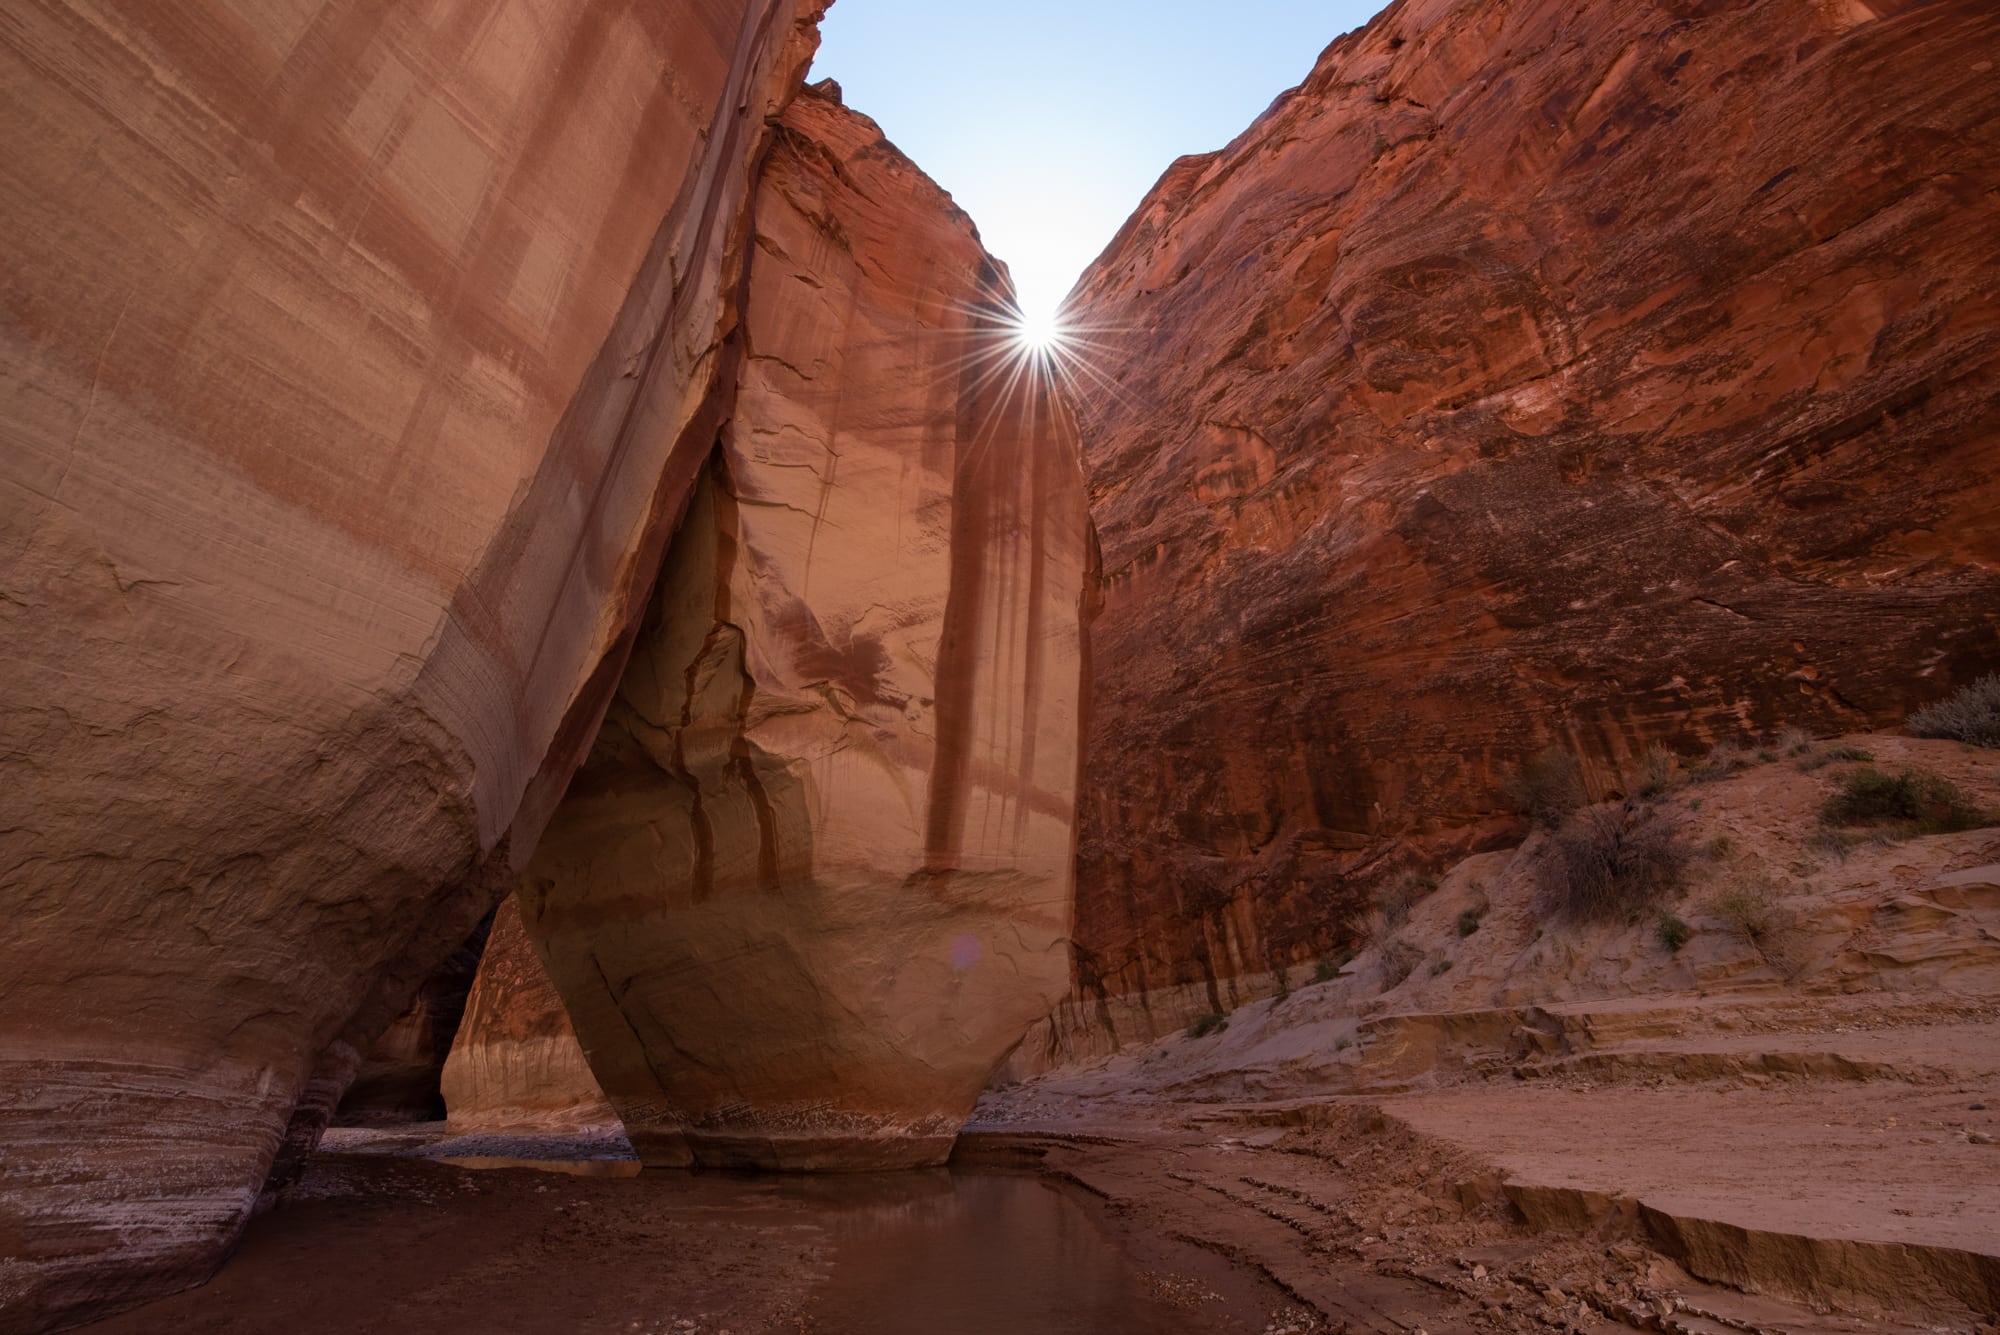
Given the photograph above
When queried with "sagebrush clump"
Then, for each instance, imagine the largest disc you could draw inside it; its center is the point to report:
(1603, 864)
(1911, 802)
(1970, 715)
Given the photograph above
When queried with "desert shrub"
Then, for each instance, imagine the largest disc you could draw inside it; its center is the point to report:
(1441, 968)
(1214, 1022)
(1402, 896)
(1850, 754)
(1720, 847)
(1548, 788)
(1606, 863)
(1659, 771)
(1673, 932)
(1797, 742)
(1325, 971)
(1468, 921)
(1723, 760)
(1399, 961)
(1913, 801)
(1752, 908)
(1971, 715)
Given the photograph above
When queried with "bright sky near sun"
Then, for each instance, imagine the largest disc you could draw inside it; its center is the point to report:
(1048, 120)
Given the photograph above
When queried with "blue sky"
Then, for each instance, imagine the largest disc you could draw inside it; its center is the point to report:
(1048, 120)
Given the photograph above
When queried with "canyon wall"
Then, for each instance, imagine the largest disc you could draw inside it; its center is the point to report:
(1536, 373)
(400, 1079)
(516, 1061)
(813, 882)
(355, 363)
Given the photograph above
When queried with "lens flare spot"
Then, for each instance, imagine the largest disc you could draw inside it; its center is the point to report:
(1039, 333)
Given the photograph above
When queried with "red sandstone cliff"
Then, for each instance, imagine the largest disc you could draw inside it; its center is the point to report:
(1600, 375)
(356, 361)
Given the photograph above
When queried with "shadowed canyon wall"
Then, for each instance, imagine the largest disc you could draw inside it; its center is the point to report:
(1596, 375)
(813, 882)
(399, 1079)
(355, 363)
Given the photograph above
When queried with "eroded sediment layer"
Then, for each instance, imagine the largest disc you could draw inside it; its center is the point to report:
(814, 880)
(347, 364)
(1534, 373)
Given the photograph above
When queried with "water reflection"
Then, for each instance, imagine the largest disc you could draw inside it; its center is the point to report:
(976, 1253)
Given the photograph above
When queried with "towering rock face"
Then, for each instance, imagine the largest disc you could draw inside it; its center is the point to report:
(814, 881)
(1600, 375)
(516, 1062)
(351, 383)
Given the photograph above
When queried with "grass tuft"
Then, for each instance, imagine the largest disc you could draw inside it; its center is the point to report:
(1214, 1022)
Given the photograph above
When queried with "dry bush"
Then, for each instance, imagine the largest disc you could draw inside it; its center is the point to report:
(1403, 895)
(1724, 759)
(1659, 772)
(1797, 742)
(1605, 864)
(1400, 959)
(1911, 802)
(1548, 788)
(1752, 906)
(1970, 715)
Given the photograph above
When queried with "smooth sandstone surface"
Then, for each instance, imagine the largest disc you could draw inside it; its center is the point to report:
(355, 362)
(1535, 373)
(516, 1062)
(814, 881)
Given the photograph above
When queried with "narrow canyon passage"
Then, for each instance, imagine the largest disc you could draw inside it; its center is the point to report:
(579, 680)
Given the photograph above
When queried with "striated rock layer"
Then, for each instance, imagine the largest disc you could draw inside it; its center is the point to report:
(813, 882)
(351, 383)
(516, 1062)
(1535, 373)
